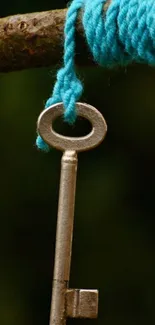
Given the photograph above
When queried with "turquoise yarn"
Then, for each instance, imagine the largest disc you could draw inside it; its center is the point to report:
(125, 33)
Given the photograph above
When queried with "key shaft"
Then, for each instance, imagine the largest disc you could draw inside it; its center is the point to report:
(64, 235)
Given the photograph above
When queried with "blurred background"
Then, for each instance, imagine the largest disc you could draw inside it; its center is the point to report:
(114, 242)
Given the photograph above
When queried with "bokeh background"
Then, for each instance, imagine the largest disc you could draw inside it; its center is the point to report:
(114, 234)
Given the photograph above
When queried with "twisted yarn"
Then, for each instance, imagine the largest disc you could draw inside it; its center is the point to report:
(121, 35)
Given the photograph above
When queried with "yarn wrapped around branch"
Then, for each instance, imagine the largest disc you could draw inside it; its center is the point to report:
(125, 33)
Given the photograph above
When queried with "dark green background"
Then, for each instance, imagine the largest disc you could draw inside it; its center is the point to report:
(114, 242)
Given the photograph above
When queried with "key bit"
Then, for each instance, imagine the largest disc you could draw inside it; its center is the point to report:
(66, 302)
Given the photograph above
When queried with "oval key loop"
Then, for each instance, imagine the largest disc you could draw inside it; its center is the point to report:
(54, 139)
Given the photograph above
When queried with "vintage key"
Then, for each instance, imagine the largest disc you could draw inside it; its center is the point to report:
(67, 302)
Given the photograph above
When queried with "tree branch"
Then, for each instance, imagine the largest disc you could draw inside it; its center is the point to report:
(36, 40)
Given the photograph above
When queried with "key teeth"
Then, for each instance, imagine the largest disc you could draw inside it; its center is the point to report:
(81, 303)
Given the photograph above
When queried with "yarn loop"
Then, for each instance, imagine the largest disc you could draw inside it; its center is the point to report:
(122, 34)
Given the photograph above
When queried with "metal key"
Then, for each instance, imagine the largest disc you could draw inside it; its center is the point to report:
(76, 303)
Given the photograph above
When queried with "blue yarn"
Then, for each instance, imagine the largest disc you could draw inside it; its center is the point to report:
(125, 33)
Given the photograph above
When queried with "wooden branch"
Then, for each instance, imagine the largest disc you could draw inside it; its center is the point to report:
(36, 40)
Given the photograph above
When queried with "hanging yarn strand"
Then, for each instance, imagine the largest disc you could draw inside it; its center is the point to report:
(125, 33)
(68, 87)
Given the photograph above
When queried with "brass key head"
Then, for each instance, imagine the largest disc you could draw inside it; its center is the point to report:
(65, 143)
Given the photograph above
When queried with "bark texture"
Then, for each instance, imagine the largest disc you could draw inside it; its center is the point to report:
(36, 40)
